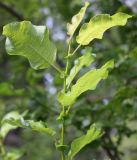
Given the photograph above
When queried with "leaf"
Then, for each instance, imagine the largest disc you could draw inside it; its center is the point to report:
(71, 27)
(38, 126)
(30, 41)
(6, 89)
(88, 81)
(13, 155)
(84, 60)
(96, 27)
(5, 127)
(92, 134)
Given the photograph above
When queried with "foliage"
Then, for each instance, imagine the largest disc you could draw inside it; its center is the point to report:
(114, 99)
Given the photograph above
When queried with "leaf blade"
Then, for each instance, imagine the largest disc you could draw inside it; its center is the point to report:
(88, 81)
(84, 60)
(5, 128)
(76, 19)
(30, 41)
(92, 134)
(96, 27)
(38, 126)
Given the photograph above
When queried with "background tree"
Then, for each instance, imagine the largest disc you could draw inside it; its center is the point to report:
(113, 106)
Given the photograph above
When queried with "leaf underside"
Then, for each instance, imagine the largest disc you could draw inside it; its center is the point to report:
(30, 41)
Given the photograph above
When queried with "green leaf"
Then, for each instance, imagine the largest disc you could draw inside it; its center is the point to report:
(96, 27)
(6, 89)
(13, 155)
(92, 134)
(71, 27)
(5, 127)
(84, 60)
(88, 81)
(38, 126)
(30, 41)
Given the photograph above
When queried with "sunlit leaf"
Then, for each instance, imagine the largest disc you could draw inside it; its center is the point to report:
(38, 126)
(5, 127)
(84, 60)
(30, 41)
(92, 134)
(88, 81)
(96, 27)
(13, 155)
(71, 27)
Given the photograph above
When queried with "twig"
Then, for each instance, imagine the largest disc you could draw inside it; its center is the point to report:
(11, 11)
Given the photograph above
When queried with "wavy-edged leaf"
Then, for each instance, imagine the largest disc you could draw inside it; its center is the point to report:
(96, 27)
(71, 27)
(30, 41)
(92, 134)
(88, 81)
(38, 126)
(84, 60)
(5, 127)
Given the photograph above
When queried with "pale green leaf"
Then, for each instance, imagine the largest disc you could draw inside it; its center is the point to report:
(71, 27)
(88, 81)
(96, 27)
(38, 126)
(84, 60)
(5, 127)
(30, 41)
(92, 134)
(13, 155)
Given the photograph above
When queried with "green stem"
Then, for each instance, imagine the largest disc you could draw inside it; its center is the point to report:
(2, 149)
(63, 135)
(76, 49)
(63, 107)
(57, 68)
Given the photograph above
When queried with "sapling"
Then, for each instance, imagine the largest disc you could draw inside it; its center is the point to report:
(32, 42)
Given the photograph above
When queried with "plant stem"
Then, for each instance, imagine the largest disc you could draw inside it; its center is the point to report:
(62, 135)
(76, 49)
(2, 149)
(63, 107)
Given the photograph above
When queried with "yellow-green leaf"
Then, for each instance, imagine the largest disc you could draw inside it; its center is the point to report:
(88, 81)
(71, 27)
(84, 60)
(30, 41)
(96, 27)
(92, 134)
(5, 127)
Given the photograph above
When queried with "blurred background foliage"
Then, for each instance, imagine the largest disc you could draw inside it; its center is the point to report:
(113, 104)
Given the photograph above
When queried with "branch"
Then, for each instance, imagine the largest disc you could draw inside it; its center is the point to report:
(11, 11)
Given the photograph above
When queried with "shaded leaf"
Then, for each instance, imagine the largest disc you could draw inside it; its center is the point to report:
(71, 27)
(84, 60)
(88, 81)
(30, 41)
(96, 27)
(38, 126)
(6, 89)
(92, 134)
